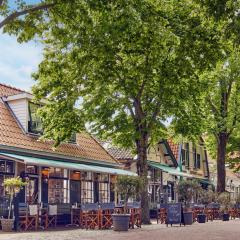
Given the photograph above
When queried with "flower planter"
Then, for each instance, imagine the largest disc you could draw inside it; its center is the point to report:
(121, 222)
(225, 217)
(188, 218)
(201, 218)
(7, 225)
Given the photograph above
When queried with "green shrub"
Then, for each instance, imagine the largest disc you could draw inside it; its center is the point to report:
(128, 186)
(225, 201)
(12, 187)
(187, 191)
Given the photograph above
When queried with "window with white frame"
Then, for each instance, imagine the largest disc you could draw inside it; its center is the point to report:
(87, 193)
(34, 120)
(104, 190)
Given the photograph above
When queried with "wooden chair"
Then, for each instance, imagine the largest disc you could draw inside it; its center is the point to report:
(76, 216)
(90, 215)
(28, 217)
(197, 210)
(162, 213)
(237, 211)
(23, 212)
(119, 208)
(233, 213)
(51, 217)
(209, 214)
(64, 214)
(105, 215)
(136, 214)
(216, 213)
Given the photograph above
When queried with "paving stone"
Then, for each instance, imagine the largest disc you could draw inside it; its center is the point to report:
(216, 230)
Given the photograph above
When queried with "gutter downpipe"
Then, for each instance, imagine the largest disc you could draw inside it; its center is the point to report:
(180, 158)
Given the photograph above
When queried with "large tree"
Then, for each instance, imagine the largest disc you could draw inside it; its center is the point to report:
(121, 67)
(223, 102)
(218, 113)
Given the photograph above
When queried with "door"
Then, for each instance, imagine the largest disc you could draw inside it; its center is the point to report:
(44, 191)
(75, 191)
(96, 191)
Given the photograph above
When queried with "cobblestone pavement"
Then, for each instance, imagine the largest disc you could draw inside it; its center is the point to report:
(216, 230)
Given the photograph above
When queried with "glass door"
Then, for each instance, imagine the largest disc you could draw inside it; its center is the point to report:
(75, 191)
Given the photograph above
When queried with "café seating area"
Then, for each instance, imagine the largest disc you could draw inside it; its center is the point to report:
(212, 212)
(86, 216)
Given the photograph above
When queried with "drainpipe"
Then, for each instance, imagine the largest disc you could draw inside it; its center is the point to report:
(180, 158)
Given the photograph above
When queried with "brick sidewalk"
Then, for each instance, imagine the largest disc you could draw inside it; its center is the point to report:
(216, 230)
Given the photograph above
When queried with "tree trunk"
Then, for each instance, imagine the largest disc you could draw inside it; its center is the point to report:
(10, 207)
(221, 155)
(142, 145)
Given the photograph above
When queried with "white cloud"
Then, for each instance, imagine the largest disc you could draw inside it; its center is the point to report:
(18, 61)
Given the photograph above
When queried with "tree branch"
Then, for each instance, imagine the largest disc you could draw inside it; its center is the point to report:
(229, 90)
(17, 14)
(138, 108)
(132, 113)
(213, 107)
(235, 118)
(141, 88)
(154, 115)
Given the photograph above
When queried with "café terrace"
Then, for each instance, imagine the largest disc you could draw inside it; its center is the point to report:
(77, 172)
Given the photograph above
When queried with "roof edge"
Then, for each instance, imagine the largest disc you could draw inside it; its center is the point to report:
(14, 88)
(43, 154)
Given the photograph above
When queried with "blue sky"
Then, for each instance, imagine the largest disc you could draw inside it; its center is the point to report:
(18, 61)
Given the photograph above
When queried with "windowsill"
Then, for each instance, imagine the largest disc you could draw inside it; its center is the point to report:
(35, 134)
(71, 142)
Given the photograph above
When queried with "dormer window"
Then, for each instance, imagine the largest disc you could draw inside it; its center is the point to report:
(73, 138)
(34, 121)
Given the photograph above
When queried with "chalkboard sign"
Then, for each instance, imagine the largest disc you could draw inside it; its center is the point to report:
(174, 213)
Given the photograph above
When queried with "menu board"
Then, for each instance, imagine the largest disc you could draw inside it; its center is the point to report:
(174, 213)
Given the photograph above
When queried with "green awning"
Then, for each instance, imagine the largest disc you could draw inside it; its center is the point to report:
(170, 170)
(175, 171)
(68, 165)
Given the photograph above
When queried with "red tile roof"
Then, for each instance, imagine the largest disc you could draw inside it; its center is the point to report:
(174, 147)
(12, 135)
(117, 152)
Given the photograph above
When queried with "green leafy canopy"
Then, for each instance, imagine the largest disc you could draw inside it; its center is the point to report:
(131, 63)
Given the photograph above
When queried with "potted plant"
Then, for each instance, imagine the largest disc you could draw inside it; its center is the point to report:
(12, 187)
(187, 191)
(225, 201)
(203, 199)
(126, 186)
